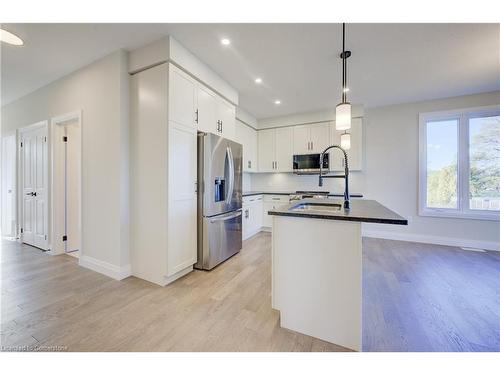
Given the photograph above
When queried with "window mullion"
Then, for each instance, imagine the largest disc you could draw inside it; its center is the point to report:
(463, 172)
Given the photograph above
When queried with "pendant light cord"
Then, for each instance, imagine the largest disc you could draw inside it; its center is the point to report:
(344, 67)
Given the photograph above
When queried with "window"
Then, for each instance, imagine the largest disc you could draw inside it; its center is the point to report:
(460, 164)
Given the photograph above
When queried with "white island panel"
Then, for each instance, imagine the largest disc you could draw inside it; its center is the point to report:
(317, 278)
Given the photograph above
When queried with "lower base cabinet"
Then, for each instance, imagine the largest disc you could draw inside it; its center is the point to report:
(255, 208)
(252, 215)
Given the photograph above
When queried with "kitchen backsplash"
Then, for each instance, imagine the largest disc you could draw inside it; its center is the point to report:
(292, 182)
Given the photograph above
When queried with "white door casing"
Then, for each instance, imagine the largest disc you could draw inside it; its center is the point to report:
(9, 186)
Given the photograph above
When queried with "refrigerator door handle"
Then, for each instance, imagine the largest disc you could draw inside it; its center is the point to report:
(230, 188)
(225, 217)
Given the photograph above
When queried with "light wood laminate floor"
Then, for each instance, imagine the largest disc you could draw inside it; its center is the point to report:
(416, 298)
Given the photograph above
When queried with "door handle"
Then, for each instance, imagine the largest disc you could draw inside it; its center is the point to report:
(225, 217)
(33, 194)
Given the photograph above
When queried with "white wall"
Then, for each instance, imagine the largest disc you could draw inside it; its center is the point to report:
(390, 173)
(100, 90)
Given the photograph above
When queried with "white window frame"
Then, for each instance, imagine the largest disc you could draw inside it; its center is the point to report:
(462, 211)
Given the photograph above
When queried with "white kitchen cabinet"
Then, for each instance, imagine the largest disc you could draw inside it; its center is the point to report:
(310, 139)
(206, 111)
(226, 115)
(270, 202)
(354, 154)
(163, 173)
(301, 140)
(267, 153)
(284, 150)
(247, 136)
(320, 137)
(182, 101)
(252, 215)
(276, 150)
(182, 207)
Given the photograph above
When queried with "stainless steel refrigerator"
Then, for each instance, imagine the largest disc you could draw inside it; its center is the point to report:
(219, 199)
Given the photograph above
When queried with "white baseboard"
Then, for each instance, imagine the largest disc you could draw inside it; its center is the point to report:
(177, 275)
(108, 269)
(251, 234)
(438, 240)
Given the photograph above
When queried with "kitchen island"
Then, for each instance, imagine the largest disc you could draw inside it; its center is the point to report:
(317, 266)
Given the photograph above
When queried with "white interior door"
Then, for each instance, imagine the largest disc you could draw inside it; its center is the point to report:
(34, 186)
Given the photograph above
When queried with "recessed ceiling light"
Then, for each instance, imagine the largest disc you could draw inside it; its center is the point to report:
(277, 102)
(346, 89)
(258, 80)
(8, 37)
(225, 42)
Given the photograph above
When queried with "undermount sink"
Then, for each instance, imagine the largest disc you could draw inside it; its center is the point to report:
(318, 207)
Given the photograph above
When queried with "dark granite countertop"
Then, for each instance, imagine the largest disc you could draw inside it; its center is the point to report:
(362, 210)
(249, 193)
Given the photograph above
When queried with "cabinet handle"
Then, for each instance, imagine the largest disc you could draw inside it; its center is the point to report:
(276, 165)
(221, 126)
(312, 145)
(246, 214)
(196, 119)
(249, 164)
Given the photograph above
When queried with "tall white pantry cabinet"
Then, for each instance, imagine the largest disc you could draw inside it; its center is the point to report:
(163, 173)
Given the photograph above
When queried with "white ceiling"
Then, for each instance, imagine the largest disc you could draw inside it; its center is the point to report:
(299, 64)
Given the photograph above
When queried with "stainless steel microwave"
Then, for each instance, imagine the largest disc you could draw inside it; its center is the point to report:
(309, 164)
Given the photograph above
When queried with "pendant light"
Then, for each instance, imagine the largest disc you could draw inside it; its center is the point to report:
(343, 110)
(345, 141)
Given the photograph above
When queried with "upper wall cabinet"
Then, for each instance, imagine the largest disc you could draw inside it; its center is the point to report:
(248, 138)
(214, 114)
(226, 117)
(310, 139)
(276, 150)
(354, 154)
(206, 111)
(182, 97)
